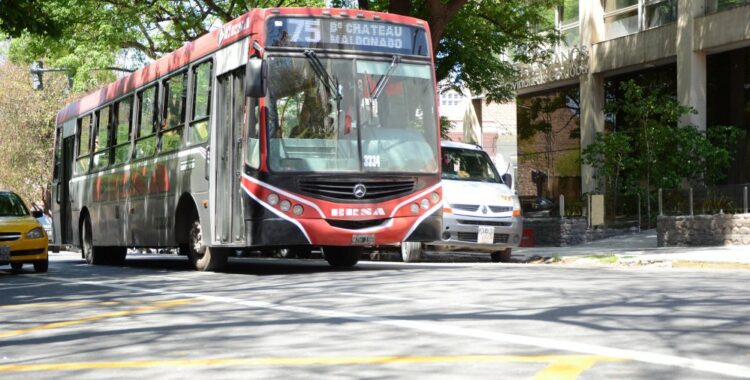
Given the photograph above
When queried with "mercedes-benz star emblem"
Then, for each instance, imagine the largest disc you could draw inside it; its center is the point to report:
(359, 191)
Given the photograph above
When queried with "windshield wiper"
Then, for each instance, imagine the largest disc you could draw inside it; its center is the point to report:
(331, 84)
(380, 86)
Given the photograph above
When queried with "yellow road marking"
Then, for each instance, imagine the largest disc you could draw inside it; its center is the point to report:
(143, 309)
(571, 366)
(578, 363)
(709, 265)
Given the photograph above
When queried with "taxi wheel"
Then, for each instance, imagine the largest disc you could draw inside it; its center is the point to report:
(204, 258)
(501, 256)
(411, 251)
(342, 257)
(41, 266)
(16, 267)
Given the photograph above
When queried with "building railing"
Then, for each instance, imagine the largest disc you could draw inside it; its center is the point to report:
(729, 199)
(714, 6)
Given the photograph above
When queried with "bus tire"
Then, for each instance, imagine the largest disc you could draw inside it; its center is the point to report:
(342, 257)
(501, 256)
(204, 258)
(411, 251)
(93, 255)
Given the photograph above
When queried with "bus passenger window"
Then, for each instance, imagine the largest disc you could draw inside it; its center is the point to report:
(101, 140)
(123, 112)
(84, 132)
(201, 103)
(145, 143)
(175, 97)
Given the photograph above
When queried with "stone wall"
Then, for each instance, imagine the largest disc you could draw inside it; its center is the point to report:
(703, 230)
(563, 232)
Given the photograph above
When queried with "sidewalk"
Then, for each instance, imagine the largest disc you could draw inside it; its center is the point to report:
(641, 248)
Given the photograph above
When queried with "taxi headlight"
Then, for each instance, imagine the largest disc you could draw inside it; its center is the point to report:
(36, 233)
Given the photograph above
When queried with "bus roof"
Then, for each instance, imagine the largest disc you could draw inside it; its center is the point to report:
(248, 24)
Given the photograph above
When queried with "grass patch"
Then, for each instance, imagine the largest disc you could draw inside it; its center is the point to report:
(605, 259)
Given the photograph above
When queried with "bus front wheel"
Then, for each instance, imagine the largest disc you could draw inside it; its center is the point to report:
(342, 256)
(204, 258)
(93, 255)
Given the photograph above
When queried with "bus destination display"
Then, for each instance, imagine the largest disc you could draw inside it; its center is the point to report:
(295, 32)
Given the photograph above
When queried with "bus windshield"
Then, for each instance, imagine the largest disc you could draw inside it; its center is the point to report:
(347, 115)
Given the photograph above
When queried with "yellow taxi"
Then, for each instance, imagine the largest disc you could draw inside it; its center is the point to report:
(22, 239)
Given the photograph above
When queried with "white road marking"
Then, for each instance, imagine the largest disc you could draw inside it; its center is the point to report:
(710, 366)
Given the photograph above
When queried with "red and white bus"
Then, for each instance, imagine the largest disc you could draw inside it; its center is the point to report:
(287, 128)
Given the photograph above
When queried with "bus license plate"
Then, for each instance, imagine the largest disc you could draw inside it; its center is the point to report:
(486, 235)
(4, 254)
(363, 239)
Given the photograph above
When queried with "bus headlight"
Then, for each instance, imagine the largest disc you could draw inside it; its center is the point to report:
(36, 233)
(297, 210)
(285, 205)
(434, 198)
(425, 204)
(414, 208)
(273, 199)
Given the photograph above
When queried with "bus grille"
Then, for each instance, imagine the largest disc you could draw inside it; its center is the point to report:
(356, 224)
(345, 189)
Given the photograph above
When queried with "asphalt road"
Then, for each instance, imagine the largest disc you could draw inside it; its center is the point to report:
(300, 319)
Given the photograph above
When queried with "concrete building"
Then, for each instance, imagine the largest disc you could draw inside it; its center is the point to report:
(697, 49)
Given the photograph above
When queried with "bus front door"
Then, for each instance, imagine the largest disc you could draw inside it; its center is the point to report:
(228, 197)
(63, 232)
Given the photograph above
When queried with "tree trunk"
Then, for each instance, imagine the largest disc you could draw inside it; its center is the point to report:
(364, 4)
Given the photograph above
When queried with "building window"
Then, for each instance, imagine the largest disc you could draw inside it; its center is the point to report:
(567, 22)
(713, 6)
(624, 17)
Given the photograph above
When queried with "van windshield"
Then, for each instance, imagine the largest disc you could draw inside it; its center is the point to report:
(468, 165)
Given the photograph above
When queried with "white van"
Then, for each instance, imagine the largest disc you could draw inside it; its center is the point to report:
(480, 210)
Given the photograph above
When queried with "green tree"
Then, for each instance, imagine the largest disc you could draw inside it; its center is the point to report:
(649, 149)
(27, 129)
(469, 37)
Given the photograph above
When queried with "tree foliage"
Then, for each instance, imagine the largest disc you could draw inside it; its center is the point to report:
(27, 129)
(470, 38)
(651, 150)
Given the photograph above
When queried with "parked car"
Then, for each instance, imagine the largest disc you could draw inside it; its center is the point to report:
(480, 210)
(22, 239)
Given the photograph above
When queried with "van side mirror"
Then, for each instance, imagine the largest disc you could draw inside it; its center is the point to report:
(255, 78)
(507, 179)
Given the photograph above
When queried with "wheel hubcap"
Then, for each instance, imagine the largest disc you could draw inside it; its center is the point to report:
(196, 239)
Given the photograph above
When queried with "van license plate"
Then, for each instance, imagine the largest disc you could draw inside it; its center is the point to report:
(363, 239)
(4, 254)
(486, 235)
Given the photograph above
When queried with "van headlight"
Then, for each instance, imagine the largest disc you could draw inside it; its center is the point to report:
(36, 233)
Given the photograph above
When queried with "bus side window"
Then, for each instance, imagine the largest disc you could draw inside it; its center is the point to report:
(201, 103)
(253, 134)
(101, 140)
(175, 101)
(84, 132)
(123, 112)
(57, 168)
(145, 139)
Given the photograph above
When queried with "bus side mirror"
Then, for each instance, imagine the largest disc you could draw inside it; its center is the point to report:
(255, 78)
(507, 179)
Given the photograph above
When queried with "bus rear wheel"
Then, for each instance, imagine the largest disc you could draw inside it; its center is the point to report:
(204, 258)
(342, 257)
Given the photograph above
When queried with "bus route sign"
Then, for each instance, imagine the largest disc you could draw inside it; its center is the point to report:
(323, 33)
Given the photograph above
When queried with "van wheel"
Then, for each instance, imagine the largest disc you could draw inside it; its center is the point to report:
(411, 251)
(342, 257)
(41, 266)
(204, 258)
(501, 256)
